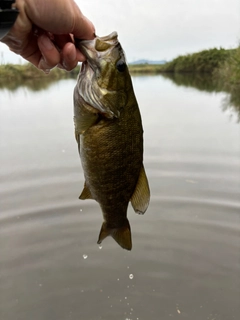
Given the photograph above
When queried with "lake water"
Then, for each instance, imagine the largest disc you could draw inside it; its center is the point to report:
(185, 261)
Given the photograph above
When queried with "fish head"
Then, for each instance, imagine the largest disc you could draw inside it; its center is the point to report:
(104, 80)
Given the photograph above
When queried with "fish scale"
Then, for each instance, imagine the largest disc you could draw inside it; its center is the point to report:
(108, 129)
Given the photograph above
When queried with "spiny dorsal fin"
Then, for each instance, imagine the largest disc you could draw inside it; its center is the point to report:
(141, 196)
(121, 235)
(86, 193)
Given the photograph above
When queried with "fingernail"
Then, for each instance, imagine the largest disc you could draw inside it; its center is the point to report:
(43, 66)
(46, 42)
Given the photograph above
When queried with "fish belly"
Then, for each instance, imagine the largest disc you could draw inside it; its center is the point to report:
(111, 153)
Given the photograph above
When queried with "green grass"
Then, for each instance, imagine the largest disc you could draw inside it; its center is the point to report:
(223, 65)
(27, 71)
(145, 68)
(12, 76)
(205, 61)
(228, 72)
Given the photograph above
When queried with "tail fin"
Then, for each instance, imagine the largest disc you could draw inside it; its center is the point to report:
(121, 235)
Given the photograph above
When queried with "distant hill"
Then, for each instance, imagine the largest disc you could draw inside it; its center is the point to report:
(145, 61)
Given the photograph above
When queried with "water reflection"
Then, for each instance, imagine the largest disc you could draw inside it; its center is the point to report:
(35, 83)
(31, 84)
(204, 82)
(185, 261)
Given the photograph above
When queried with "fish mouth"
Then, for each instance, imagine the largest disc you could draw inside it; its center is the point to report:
(92, 49)
(87, 47)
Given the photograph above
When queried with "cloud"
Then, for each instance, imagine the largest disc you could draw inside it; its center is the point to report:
(158, 29)
(164, 29)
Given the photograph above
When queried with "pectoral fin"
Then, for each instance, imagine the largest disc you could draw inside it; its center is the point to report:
(77, 137)
(141, 196)
(86, 193)
(84, 122)
(121, 235)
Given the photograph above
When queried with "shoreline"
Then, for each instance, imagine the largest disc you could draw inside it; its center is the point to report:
(222, 65)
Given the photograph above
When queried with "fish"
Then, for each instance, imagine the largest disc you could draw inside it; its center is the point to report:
(109, 133)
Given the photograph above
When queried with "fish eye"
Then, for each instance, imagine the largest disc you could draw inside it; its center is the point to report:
(121, 65)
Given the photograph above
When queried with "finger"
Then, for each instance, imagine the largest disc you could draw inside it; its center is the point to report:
(80, 56)
(69, 56)
(65, 42)
(62, 40)
(50, 55)
(84, 28)
(69, 61)
(60, 17)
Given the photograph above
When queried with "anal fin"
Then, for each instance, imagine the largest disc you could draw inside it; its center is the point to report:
(86, 193)
(141, 196)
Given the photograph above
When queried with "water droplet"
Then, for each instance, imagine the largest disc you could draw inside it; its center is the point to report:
(80, 210)
(100, 247)
(85, 256)
(131, 276)
(118, 279)
(40, 285)
(125, 298)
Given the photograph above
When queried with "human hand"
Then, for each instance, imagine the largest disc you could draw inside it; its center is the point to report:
(44, 33)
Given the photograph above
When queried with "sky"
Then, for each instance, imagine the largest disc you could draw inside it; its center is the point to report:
(161, 29)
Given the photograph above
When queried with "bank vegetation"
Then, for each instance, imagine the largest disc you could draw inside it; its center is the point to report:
(223, 66)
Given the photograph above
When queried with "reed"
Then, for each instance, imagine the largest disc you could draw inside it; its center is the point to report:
(205, 61)
(228, 73)
(223, 65)
(28, 71)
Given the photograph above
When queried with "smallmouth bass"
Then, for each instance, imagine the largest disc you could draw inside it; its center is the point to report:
(109, 133)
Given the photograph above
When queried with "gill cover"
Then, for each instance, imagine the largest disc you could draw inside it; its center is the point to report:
(101, 83)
